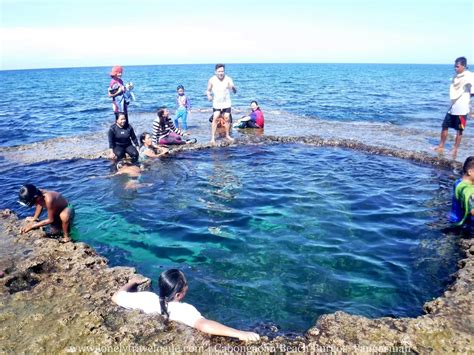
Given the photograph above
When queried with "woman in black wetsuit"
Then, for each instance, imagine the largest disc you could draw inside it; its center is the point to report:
(122, 139)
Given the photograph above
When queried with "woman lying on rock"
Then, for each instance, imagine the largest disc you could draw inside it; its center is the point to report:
(173, 288)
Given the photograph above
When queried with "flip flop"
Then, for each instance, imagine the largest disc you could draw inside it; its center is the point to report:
(191, 141)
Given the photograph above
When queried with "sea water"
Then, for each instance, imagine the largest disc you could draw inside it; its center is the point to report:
(47, 103)
(267, 234)
(272, 234)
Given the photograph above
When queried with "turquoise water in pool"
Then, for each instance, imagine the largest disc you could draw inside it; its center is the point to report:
(268, 234)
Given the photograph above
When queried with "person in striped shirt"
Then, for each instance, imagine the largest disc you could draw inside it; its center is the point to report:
(165, 132)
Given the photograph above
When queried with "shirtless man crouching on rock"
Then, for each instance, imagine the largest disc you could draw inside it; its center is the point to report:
(60, 211)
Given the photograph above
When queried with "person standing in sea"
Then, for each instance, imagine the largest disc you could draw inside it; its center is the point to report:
(460, 95)
(117, 91)
(218, 91)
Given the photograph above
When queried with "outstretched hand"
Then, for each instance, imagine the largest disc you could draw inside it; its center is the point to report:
(138, 280)
(249, 336)
(26, 229)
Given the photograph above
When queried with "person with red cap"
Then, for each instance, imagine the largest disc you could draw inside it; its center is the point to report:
(117, 91)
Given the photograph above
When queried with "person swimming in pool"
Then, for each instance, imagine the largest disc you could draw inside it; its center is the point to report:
(462, 212)
(173, 288)
(134, 173)
(148, 150)
(60, 211)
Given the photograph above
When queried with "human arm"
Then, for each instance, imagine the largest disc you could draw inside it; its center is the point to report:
(133, 136)
(36, 215)
(209, 90)
(253, 116)
(216, 328)
(130, 285)
(111, 137)
(50, 216)
(152, 154)
(188, 105)
(232, 86)
(115, 88)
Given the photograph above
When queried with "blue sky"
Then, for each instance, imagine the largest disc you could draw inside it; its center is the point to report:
(70, 33)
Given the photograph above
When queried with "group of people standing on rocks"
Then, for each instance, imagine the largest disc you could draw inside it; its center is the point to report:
(166, 131)
(173, 285)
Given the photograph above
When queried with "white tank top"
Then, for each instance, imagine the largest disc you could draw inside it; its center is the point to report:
(220, 90)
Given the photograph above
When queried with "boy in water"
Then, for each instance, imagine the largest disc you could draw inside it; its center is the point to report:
(463, 196)
(60, 212)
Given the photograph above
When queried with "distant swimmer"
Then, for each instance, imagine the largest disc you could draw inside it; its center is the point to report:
(133, 172)
(218, 91)
(254, 119)
(462, 211)
(60, 211)
(460, 95)
(173, 288)
(122, 139)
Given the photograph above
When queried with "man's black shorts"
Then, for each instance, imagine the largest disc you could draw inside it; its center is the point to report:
(222, 110)
(458, 122)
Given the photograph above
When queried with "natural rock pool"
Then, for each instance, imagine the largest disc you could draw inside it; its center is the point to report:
(268, 234)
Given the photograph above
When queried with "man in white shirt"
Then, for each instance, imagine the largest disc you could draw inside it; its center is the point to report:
(218, 91)
(460, 95)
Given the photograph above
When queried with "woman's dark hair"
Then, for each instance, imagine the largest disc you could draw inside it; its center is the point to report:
(142, 138)
(160, 113)
(180, 87)
(170, 283)
(256, 103)
(468, 164)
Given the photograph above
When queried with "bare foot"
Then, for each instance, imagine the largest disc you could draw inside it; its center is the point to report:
(213, 142)
(230, 139)
(454, 153)
(438, 149)
(65, 240)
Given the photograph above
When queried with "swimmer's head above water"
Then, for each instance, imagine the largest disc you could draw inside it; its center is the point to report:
(28, 194)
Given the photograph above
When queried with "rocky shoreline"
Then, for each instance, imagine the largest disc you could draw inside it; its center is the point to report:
(57, 298)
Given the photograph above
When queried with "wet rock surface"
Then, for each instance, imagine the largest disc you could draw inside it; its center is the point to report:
(371, 137)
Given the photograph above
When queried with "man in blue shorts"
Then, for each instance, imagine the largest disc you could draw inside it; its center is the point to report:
(460, 95)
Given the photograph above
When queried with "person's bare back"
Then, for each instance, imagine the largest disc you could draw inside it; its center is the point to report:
(59, 212)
